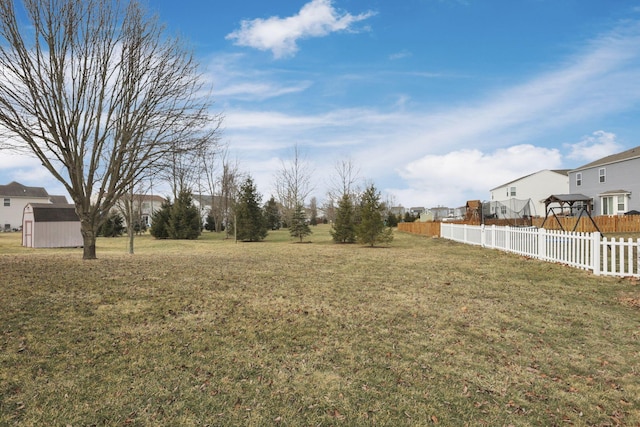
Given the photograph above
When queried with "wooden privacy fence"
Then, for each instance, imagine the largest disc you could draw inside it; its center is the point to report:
(606, 224)
(588, 251)
(429, 228)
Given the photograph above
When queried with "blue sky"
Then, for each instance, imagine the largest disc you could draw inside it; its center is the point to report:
(435, 101)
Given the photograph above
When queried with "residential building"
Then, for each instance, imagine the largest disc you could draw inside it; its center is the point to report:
(530, 190)
(144, 206)
(15, 196)
(613, 182)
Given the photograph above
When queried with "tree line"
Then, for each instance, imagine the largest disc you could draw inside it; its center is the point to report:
(110, 104)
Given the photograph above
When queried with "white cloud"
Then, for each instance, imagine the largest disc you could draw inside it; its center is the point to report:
(400, 55)
(10, 160)
(452, 178)
(260, 90)
(593, 147)
(317, 18)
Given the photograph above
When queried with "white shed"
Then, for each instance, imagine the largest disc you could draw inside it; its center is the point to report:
(47, 225)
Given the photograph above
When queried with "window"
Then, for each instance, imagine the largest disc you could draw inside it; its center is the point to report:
(603, 173)
(513, 191)
(579, 179)
(607, 205)
(7, 202)
(503, 210)
(615, 204)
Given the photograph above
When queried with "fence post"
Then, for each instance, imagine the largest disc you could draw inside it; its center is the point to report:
(483, 239)
(542, 243)
(595, 252)
(493, 236)
(637, 272)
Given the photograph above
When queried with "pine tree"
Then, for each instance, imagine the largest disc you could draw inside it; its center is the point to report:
(299, 227)
(184, 218)
(371, 229)
(250, 220)
(112, 227)
(392, 220)
(210, 224)
(272, 214)
(160, 221)
(344, 228)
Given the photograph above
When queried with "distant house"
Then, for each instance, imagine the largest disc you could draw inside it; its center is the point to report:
(514, 196)
(48, 225)
(15, 197)
(398, 210)
(417, 210)
(613, 182)
(440, 212)
(144, 206)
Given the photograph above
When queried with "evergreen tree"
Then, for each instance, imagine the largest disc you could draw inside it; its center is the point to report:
(299, 227)
(371, 229)
(272, 214)
(160, 221)
(344, 228)
(184, 218)
(392, 220)
(210, 225)
(250, 220)
(112, 227)
(408, 217)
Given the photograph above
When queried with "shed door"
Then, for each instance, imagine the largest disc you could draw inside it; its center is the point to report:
(28, 234)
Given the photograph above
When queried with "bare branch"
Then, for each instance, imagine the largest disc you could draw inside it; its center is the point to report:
(99, 95)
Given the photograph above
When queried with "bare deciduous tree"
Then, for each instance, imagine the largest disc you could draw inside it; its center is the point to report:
(345, 179)
(98, 94)
(229, 184)
(293, 183)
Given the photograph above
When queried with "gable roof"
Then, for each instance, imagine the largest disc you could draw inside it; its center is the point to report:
(59, 200)
(614, 158)
(45, 212)
(564, 172)
(567, 198)
(15, 189)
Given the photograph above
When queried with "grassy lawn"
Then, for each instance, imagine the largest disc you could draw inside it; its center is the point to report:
(212, 332)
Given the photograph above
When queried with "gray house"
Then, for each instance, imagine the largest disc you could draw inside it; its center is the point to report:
(613, 182)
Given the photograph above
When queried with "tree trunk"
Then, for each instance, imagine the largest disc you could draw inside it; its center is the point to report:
(130, 232)
(130, 221)
(89, 241)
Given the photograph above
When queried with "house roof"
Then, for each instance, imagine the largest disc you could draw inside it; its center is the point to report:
(45, 212)
(564, 172)
(58, 200)
(614, 158)
(15, 189)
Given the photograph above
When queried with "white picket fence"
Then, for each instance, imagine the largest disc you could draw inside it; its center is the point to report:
(588, 251)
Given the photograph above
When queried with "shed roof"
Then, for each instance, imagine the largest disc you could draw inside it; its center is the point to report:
(474, 204)
(45, 212)
(567, 198)
(15, 189)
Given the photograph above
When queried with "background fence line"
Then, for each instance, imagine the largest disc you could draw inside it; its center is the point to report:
(588, 251)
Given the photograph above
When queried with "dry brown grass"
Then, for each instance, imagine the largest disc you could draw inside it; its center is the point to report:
(276, 333)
